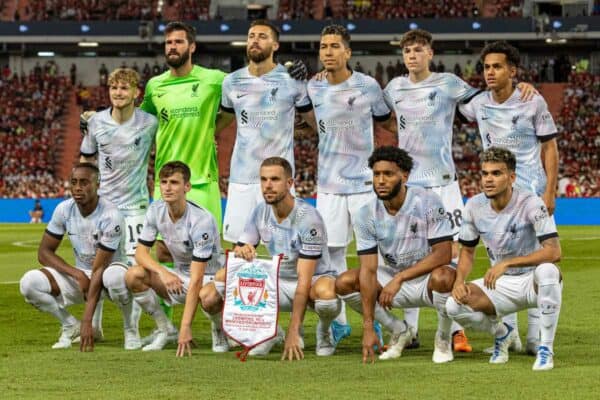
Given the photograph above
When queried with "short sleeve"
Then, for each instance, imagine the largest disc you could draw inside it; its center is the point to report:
(150, 229)
(364, 231)
(469, 234)
(545, 129)
(439, 228)
(112, 231)
(251, 235)
(89, 147)
(379, 108)
(226, 103)
(204, 234)
(302, 101)
(468, 110)
(57, 225)
(459, 90)
(543, 223)
(387, 97)
(312, 236)
(147, 104)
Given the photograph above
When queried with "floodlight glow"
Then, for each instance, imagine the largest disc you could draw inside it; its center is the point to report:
(23, 28)
(476, 25)
(557, 24)
(413, 25)
(224, 27)
(161, 27)
(85, 28)
(45, 54)
(286, 27)
(350, 26)
(87, 44)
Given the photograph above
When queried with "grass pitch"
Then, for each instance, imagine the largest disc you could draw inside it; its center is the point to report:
(29, 368)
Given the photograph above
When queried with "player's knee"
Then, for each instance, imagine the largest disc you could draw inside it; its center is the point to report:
(324, 289)
(547, 274)
(114, 276)
(346, 282)
(134, 277)
(32, 282)
(442, 279)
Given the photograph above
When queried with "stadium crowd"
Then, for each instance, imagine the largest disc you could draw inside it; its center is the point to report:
(30, 131)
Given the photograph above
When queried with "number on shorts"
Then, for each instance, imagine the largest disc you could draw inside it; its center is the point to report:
(138, 229)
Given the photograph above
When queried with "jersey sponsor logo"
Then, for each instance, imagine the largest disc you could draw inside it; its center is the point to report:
(164, 115)
(321, 126)
(401, 122)
(108, 164)
(244, 117)
(541, 214)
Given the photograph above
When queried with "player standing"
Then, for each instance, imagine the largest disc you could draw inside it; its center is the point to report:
(192, 238)
(95, 229)
(345, 104)
(408, 227)
(264, 99)
(291, 227)
(522, 245)
(527, 130)
(120, 139)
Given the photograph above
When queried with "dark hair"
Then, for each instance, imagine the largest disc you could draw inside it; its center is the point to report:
(190, 31)
(90, 167)
(337, 30)
(263, 22)
(419, 36)
(278, 161)
(172, 167)
(512, 54)
(499, 155)
(392, 154)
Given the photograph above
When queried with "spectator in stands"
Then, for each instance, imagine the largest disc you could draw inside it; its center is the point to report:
(36, 213)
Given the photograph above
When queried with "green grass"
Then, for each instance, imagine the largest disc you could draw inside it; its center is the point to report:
(30, 369)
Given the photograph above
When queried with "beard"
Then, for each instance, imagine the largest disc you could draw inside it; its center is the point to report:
(179, 61)
(260, 56)
(276, 200)
(393, 193)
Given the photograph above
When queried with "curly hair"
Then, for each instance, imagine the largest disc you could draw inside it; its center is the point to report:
(392, 154)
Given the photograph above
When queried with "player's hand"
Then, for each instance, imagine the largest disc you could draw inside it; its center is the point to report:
(84, 283)
(84, 117)
(185, 342)
(550, 202)
(369, 344)
(247, 252)
(528, 91)
(492, 274)
(292, 349)
(461, 292)
(86, 335)
(297, 70)
(386, 297)
(171, 281)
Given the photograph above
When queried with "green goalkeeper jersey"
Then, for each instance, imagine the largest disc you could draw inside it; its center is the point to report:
(186, 108)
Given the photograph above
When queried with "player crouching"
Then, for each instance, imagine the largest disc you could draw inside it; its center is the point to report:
(522, 245)
(288, 226)
(96, 231)
(409, 227)
(192, 238)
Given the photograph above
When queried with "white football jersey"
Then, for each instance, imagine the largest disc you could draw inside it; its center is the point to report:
(301, 235)
(123, 151)
(264, 108)
(405, 238)
(519, 126)
(345, 114)
(194, 237)
(424, 115)
(104, 228)
(515, 231)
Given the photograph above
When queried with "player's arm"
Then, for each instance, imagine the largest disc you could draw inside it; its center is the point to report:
(197, 269)
(143, 257)
(549, 252)
(367, 276)
(441, 254)
(460, 290)
(310, 119)
(224, 119)
(389, 124)
(47, 257)
(87, 159)
(101, 261)
(550, 163)
(306, 269)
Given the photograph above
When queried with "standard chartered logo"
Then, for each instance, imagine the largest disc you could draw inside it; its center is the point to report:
(164, 115)
(256, 119)
(244, 116)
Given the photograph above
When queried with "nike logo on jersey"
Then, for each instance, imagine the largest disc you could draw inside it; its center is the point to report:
(484, 118)
(318, 105)
(239, 96)
(159, 95)
(398, 101)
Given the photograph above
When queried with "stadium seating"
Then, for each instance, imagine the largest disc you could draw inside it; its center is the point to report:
(30, 132)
